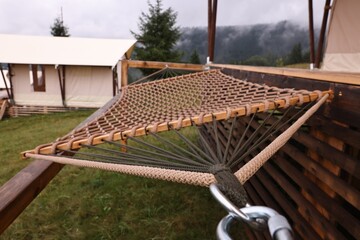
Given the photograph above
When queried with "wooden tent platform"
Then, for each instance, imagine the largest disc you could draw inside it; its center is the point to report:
(314, 180)
(19, 111)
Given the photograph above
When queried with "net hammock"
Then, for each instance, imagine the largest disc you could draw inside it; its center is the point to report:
(131, 127)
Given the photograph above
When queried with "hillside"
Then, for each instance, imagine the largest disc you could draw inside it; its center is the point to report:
(238, 44)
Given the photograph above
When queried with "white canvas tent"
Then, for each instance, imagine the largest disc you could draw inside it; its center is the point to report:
(59, 71)
(343, 43)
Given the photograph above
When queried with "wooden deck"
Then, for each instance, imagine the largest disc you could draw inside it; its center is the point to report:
(20, 111)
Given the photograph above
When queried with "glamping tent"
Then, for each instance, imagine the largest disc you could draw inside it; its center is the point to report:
(58, 71)
(343, 44)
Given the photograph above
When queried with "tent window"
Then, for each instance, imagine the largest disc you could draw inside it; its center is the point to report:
(37, 77)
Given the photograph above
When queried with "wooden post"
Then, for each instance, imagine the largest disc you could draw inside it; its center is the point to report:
(311, 35)
(115, 81)
(12, 99)
(212, 12)
(124, 73)
(62, 83)
(209, 27)
(319, 51)
(6, 86)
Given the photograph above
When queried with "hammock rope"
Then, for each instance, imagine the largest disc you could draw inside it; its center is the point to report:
(200, 100)
(175, 103)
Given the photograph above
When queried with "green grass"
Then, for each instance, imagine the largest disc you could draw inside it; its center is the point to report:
(92, 204)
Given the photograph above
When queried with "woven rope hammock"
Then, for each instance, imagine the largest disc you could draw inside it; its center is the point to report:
(199, 101)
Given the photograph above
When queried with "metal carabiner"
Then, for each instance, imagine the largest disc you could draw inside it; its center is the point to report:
(257, 217)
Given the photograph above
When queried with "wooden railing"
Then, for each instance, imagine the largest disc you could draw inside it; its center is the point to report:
(22, 189)
(126, 64)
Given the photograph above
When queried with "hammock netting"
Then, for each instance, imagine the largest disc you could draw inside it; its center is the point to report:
(129, 128)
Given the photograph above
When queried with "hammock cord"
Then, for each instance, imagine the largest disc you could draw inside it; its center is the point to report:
(184, 165)
(214, 105)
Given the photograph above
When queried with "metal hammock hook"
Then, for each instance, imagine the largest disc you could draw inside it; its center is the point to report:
(258, 218)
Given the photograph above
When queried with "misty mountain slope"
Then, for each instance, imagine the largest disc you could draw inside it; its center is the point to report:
(235, 44)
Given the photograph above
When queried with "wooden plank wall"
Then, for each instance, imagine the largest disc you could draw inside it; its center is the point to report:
(314, 180)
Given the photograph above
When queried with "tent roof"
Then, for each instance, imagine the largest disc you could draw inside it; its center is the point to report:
(63, 50)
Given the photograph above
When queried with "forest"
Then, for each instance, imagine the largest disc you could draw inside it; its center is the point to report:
(276, 44)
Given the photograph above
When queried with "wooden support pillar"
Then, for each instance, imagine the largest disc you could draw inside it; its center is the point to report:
(61, 75)
(209, 27)
(212, 12)
(115, 79)
(12, 99)
(124, 73)
(319, 52)
(6, 86)
(311, 34)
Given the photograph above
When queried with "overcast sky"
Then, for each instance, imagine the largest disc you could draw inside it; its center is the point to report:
(115, 18)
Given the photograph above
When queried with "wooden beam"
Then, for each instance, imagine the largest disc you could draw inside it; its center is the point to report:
(161, 65)
(6, 86)
(12, 99)
(19, 191)
(61, 75)
(114, 81)
(328, 76)
(64, 84)
(311, 34)
(209, 27)
(212, 12)
(319, 52)
(124, 72)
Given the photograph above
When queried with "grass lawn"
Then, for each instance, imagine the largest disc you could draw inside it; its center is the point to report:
(92, 204)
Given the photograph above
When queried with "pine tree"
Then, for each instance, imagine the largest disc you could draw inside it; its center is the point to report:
(158, 35)
(58, 29)
(194, 58)
(295, 55)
